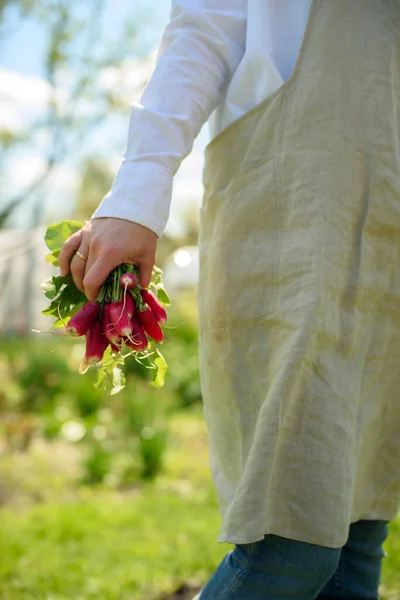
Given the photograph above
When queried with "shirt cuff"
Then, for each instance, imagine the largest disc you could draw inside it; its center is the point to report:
(141, 193)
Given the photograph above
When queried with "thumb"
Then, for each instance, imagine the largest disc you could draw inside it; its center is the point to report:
(145, 272)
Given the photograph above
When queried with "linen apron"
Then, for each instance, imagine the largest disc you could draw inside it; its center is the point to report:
(299, 290)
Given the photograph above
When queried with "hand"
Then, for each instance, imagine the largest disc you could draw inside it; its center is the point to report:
(106, 243)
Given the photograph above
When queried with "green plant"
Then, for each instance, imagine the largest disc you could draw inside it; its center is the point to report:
(122, 438)
(152, 446)
(97, 462)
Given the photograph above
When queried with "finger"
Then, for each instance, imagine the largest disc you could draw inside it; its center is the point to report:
(91, 257)
(145, 272)
(67, 251)
(97, 274)
(78, 267)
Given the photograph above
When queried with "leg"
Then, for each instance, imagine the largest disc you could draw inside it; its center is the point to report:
(359, 570)
(272, 569)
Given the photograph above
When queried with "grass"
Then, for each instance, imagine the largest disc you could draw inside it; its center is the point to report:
(80, 543)
(107, 547)
(391, 564)
(83, 543)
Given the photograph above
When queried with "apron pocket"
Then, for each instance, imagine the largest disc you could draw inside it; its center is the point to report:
(238, 248)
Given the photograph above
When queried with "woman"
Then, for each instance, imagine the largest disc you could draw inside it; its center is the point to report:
(299, 292)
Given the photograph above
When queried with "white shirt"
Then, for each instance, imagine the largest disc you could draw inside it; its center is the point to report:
(217, 60)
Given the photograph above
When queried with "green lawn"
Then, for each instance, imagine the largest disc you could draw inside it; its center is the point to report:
(81, 543)
(87, 543)
(108, 547)
(391, 565)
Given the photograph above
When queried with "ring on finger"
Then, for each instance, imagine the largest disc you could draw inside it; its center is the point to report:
(80, 255)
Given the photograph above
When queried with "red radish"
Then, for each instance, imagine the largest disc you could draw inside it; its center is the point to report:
(129, 303)
(115, 348)
(96, 343)
(108, 327)
(128, 281)
(138, 340)
(120, 319)
(154, 303)
(106, 318)
(80, 322)
(150, 325)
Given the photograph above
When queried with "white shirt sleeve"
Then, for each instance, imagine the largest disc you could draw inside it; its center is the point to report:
(199, 52)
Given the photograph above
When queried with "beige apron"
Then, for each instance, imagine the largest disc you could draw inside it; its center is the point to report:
(299, 292)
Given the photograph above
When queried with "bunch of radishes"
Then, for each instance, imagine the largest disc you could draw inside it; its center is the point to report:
(125, 320)
(122, 314)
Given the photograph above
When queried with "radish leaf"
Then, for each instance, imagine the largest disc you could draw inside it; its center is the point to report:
(70, 295)
(101, 378)
(157, 278)
(161, 366)
(60, 323)
(49, 289)
(52, 286)
(53, 260)
(163, 296)
(118, 381)
(58, 233)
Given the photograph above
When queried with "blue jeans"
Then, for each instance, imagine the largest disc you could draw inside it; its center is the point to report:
(277, 568)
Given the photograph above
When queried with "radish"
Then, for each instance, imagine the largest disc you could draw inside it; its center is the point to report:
(96, 343)
(154, 303)
(128, 281)
(150, 325)
(116, 348)
(80, 322)
(108, 327)
(129, 304)
(120, 319)
(138, 340)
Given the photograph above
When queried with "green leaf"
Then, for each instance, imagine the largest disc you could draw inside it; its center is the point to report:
(52, 309)
(53, 260)
(62, 310)
(52, 286)
(48, 288)
(161, 366)
(107, 357)
(60, 323)
(110, 376)
(66, 298)
(101, 379)
(163, 296)
(118, 380)
(70, 296)
(58, 233)
(157, 277)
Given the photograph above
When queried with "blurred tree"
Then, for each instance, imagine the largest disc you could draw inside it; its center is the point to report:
(78, 51)
(96, 180)
(23, 5)
(86, 78)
